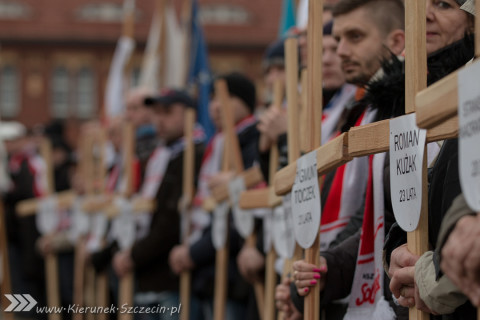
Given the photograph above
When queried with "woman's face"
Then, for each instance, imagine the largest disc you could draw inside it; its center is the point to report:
(446, 23)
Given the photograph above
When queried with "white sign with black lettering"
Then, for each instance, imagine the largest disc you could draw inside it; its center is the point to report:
(219, 225)
(407, 146)
(469, 133)
(283, 234)
(243, 219)
(306, 201)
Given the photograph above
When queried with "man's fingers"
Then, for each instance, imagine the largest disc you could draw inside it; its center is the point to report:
(401, 257)
(472, 262)
(406, 302)
(402, 278)
(407, 292)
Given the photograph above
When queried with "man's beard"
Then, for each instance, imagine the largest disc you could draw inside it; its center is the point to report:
(361, 77)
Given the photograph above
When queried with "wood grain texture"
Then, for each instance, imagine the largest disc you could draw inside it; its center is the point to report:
(187, 196)
(438, 102)
(415, 51)
(30, 207)
(314, 112)
(329, 156)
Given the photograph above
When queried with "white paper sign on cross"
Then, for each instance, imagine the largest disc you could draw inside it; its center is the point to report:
(469, 135)
(407, 143)
(243, 219)
(306, 205)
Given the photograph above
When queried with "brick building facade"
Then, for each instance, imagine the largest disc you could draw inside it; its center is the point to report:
(55, 54)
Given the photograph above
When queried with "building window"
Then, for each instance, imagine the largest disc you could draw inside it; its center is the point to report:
(9, 92)
(224, 14)
(101, 12)
(85, 94)
(14, 10)
(60, 93)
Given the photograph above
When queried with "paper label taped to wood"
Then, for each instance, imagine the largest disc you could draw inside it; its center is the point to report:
(220, 225)
(407, 146)
(469, 133)
(306, 201)
(47, 217)
(243, 219)
(283, 234)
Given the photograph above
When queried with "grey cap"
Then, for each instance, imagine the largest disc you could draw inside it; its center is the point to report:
(468, 6)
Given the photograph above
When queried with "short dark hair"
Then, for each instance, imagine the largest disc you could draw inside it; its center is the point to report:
(240, 86)
(387, 14)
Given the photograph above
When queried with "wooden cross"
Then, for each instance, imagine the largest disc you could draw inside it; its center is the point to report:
(263, 198)
(232, 159)
(92, 287)
(437, 105)
(374, 138)
(51, 259)
(81, 270)
(188, 193)
(126, 285)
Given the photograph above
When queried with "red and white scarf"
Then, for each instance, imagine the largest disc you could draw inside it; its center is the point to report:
(37, 168)
(155, 170)
(331, 115)
(367, 299)
(342, 202)
(158, 163)
(116, 182)
(211, 165)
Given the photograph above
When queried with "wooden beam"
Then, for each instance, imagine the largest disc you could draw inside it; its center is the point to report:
(29, 207)
(374, 137)
(221, 256)
(369, 139)
(187, 196)
(259, 198)
(294, 133)
(126, 283)
(251, 176)
(415, 51)
(417, 240)
(329, 156)
(438, 102)
(314, 112)
(51, 260)
(359, 141)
